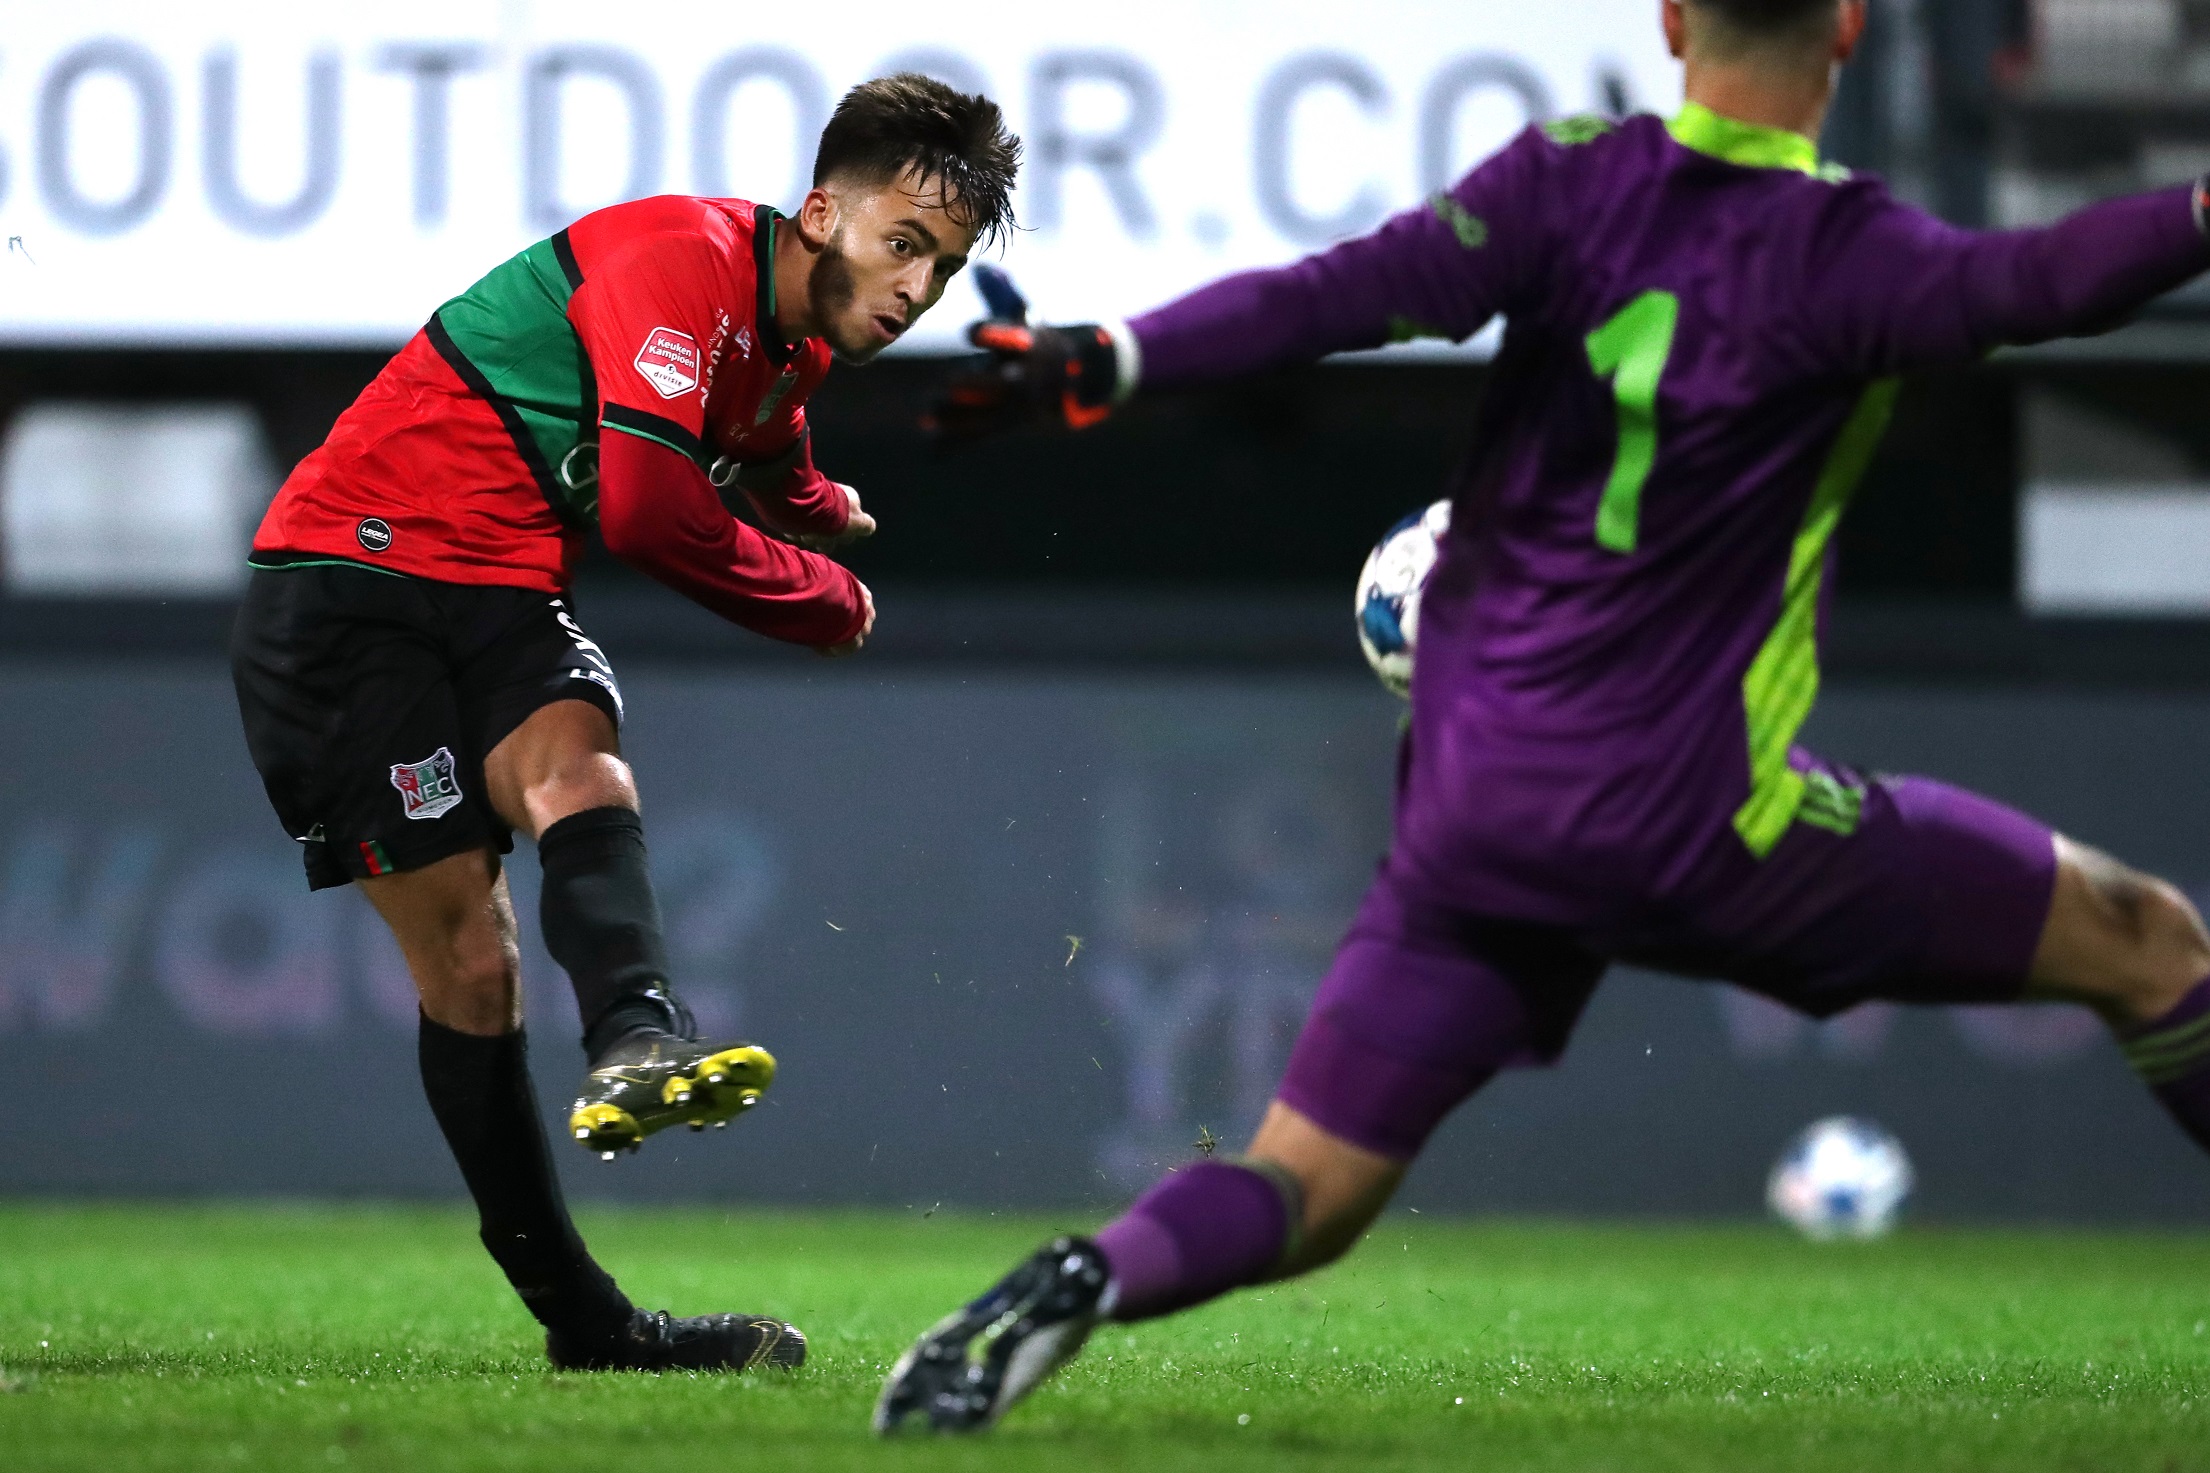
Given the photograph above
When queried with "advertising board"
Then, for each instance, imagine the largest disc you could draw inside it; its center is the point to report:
(256, 172)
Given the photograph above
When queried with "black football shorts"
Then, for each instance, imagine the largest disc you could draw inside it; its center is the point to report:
(370, 701)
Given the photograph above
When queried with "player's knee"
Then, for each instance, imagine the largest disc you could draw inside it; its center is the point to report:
(578, 784)
(2146, 914)
(2151, 938)
(474, 985)
(484, 965)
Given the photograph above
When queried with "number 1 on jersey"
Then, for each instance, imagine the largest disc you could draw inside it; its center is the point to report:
(1631, 350)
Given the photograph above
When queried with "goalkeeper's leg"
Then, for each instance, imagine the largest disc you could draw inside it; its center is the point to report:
(1419, 1011)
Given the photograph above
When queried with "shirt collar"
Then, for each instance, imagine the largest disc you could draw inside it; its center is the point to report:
(763, 270)
(1753, 147)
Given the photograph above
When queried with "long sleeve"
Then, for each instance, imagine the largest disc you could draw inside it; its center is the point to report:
(1890, 288)
(791, 496)
(660, 515)
(1440, 270)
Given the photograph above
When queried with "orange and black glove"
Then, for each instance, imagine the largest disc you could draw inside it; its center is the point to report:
(1069, 375)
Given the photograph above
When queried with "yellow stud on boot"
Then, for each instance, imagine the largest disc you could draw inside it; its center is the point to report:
(605, 1129)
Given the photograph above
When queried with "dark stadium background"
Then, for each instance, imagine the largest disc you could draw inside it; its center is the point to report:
(1185, 572)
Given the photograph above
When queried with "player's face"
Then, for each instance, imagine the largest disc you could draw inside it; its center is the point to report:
(891, 251)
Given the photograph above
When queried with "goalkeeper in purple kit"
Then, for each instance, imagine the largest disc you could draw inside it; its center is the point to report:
(1618, 649)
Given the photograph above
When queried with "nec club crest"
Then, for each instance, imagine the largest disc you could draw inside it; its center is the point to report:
(429, 788)
(669, 362)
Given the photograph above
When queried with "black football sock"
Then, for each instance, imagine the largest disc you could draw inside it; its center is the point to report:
(602, 925)
(479, 1089)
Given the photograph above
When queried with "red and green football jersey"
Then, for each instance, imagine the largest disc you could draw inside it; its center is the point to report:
(473, 456)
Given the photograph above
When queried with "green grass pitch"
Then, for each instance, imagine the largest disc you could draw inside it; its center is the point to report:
(189, 1337)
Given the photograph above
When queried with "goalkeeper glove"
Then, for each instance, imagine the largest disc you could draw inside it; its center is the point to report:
(1072, 375)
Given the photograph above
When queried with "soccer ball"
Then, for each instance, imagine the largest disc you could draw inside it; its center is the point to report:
(1388, 606)
(1842, 1178)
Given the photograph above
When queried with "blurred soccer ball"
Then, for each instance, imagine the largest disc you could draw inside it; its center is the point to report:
(1842, 1178)
(1389, 593)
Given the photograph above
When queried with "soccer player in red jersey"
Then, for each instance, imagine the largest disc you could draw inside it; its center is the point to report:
(415, 686)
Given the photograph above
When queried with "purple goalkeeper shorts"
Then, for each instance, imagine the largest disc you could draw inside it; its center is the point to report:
(1936, 896)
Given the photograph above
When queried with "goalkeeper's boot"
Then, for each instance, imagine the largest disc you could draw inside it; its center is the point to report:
(651, 1080)
(970, 1370)
(661, 1342)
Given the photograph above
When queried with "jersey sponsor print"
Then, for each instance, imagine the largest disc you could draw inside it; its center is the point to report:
(669, 362)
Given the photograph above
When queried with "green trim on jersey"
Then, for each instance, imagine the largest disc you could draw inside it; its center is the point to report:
(763, 256)
(512, 328)
(1472, 231)
(658, 430)
(1831, 804)
(1783, 681)
(291, 561)
(1698, 127)
(1580, 128)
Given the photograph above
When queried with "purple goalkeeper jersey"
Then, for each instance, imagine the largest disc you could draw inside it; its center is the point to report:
(1619, 644)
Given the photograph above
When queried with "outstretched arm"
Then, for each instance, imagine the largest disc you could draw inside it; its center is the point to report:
(1896, 289)
(1442, 269)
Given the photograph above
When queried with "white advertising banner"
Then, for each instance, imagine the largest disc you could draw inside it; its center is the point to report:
(272, 171)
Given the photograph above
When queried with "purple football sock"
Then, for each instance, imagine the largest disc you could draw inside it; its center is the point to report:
(2172, 1055)
(1205, 1230)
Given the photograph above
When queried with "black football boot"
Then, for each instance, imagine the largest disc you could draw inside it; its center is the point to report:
(969, 1371)
(661, 1342)
(651, 1080)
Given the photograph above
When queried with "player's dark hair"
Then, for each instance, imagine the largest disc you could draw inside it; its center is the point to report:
(954, 140)
(1755, 21)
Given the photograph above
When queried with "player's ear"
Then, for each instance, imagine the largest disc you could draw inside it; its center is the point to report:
(816, 217)
(1852, 31)
(1676, 28)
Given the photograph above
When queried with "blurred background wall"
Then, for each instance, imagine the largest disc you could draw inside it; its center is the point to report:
(1035, 891)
